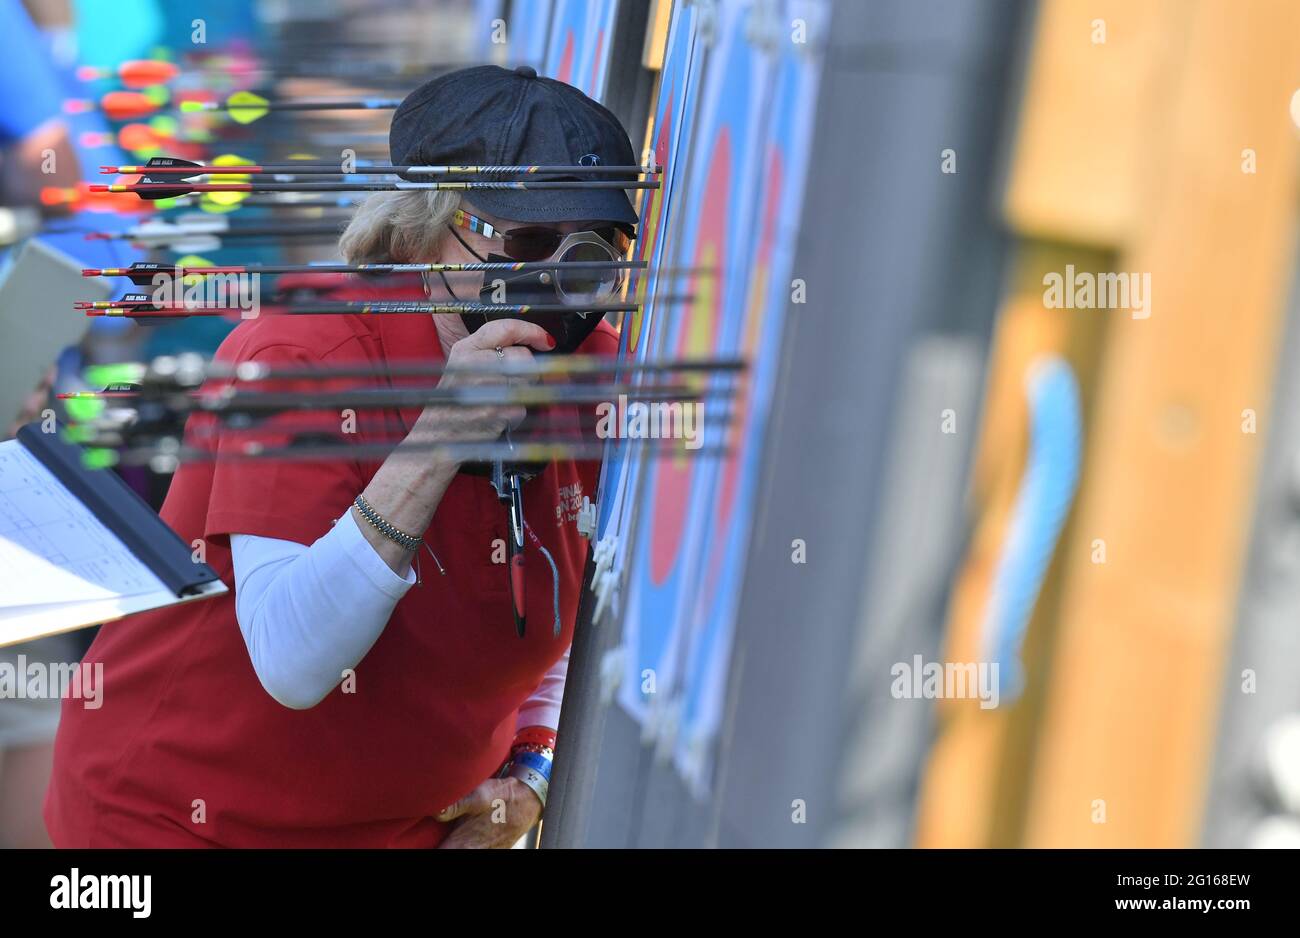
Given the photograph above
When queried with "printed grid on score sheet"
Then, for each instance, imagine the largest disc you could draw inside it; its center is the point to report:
(51, 547)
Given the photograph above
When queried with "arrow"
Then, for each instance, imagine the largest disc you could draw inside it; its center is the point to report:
(142, 273)
(230, 400)
(164, 166)
(120, 105)
(191, 370)
(140, 73)
(244, 107)
(280, 200)
(179, 236)
(202, 223)
(102, 412)
(152, 408)
(160, 459)
(151, 189)
(88, 197)
(144, 308)
(101, 417)
(257, 415)
(134, 73)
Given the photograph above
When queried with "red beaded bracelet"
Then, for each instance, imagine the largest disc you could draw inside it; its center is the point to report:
(544, 751)
(535, 736)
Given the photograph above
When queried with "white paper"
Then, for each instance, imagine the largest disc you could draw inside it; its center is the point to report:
(52, 549)
(60, 567)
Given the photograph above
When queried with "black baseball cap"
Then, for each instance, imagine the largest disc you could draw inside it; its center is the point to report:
(488, 115)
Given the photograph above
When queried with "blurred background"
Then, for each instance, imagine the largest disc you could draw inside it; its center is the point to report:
(1005, 551)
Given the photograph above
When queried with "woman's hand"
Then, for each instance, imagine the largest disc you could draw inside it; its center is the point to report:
(516, 339)
(408, 486)
(496, 814)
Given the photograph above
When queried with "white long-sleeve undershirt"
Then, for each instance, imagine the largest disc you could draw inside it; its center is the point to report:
(309, 613)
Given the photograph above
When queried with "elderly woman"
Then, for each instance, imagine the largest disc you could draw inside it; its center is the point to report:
(332, 699)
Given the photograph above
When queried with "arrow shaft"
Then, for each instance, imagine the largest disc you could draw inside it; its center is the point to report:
(143, 310)
(482, 395)
(374, 104)
(336, 169)
(181, 187)
(541, 452)
(270, 269)
(250, 231)
(171, 371)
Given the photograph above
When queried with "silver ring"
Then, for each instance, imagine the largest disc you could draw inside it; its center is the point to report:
(501, 353)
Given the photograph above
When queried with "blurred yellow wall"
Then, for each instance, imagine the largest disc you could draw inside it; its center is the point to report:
(1155, 138)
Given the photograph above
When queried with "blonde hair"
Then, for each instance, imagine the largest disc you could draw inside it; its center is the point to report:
(405, 226)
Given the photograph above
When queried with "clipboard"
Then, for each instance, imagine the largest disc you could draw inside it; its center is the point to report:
(78, 546)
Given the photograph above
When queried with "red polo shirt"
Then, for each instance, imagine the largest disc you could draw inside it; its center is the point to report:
(189, 750)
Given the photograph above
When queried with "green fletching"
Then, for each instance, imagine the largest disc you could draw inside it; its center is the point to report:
(98, 458)
(84, 409)
(120, 373)
(165, 124)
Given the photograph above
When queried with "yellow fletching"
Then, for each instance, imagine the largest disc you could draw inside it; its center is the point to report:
(192, 260)
(210, 205)
(230, 198)
(245, 107)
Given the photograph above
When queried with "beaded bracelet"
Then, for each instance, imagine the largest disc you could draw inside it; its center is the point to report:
(544, 751)
(536, 735)
(385, 527)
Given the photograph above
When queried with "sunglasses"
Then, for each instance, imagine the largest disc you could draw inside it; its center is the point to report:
(537, 242)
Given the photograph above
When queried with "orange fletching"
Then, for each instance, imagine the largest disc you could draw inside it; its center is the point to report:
(141, 73)
(125, 105)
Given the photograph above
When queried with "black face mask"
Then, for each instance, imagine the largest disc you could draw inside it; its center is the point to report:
(534, 288)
